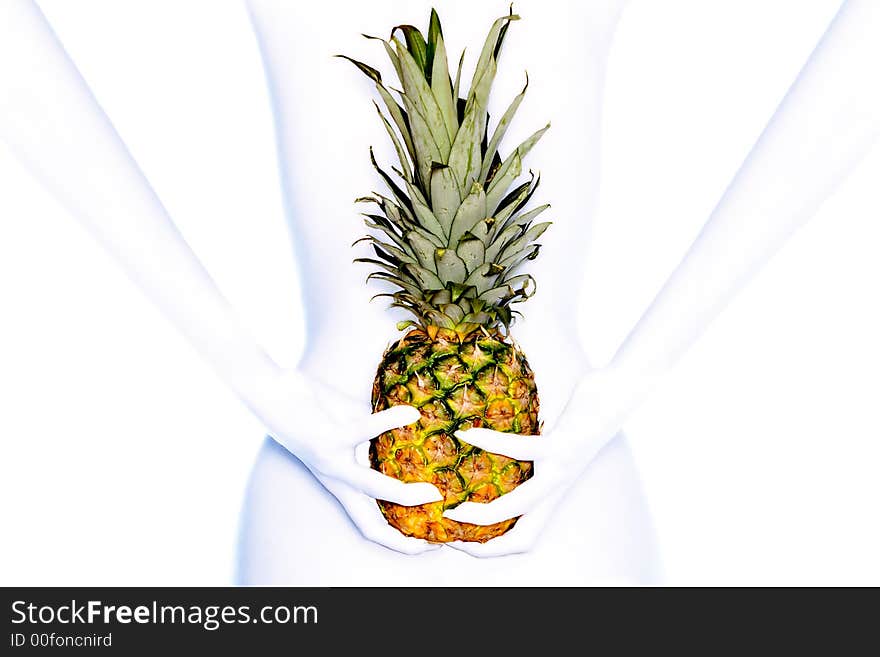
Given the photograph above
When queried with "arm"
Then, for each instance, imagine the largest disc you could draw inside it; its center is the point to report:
(827, 121)
(53, 123)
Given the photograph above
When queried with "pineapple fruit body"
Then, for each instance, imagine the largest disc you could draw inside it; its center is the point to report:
(479, 380)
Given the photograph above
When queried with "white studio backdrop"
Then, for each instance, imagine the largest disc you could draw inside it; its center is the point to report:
(123, 459)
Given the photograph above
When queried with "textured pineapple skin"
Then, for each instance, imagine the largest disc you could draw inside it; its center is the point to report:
(479, 380)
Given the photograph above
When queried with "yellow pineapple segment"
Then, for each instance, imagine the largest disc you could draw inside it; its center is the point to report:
(477, 381)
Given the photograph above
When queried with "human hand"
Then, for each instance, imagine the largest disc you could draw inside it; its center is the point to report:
(596, 409)
(330, 434)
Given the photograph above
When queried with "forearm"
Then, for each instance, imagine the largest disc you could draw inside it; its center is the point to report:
(824, 125)
(53, 123)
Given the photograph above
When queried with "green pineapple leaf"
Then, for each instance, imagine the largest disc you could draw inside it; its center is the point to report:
(491, 46)
(526, 217)
(471, 211)
(472, 253)
(528, 237)
(441, 86)
(482, 278)
(500, 130)
(456, 87)
(445, 197)
(435, 32)
(508, 234)
(391, 54)
(415, 45)
(401, 154)
(421, 97)
(510, 171)
(426, 279)
(427, 219)
(424, 250)
(465, 155)
(450, 268)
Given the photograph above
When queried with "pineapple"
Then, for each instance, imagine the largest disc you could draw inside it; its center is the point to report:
(450, 239)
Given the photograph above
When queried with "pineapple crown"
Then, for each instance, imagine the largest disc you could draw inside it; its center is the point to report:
(453, 234)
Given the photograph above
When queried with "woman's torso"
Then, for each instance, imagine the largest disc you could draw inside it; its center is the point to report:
(293, 531)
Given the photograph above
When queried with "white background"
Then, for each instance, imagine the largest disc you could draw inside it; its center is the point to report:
(123, 460)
